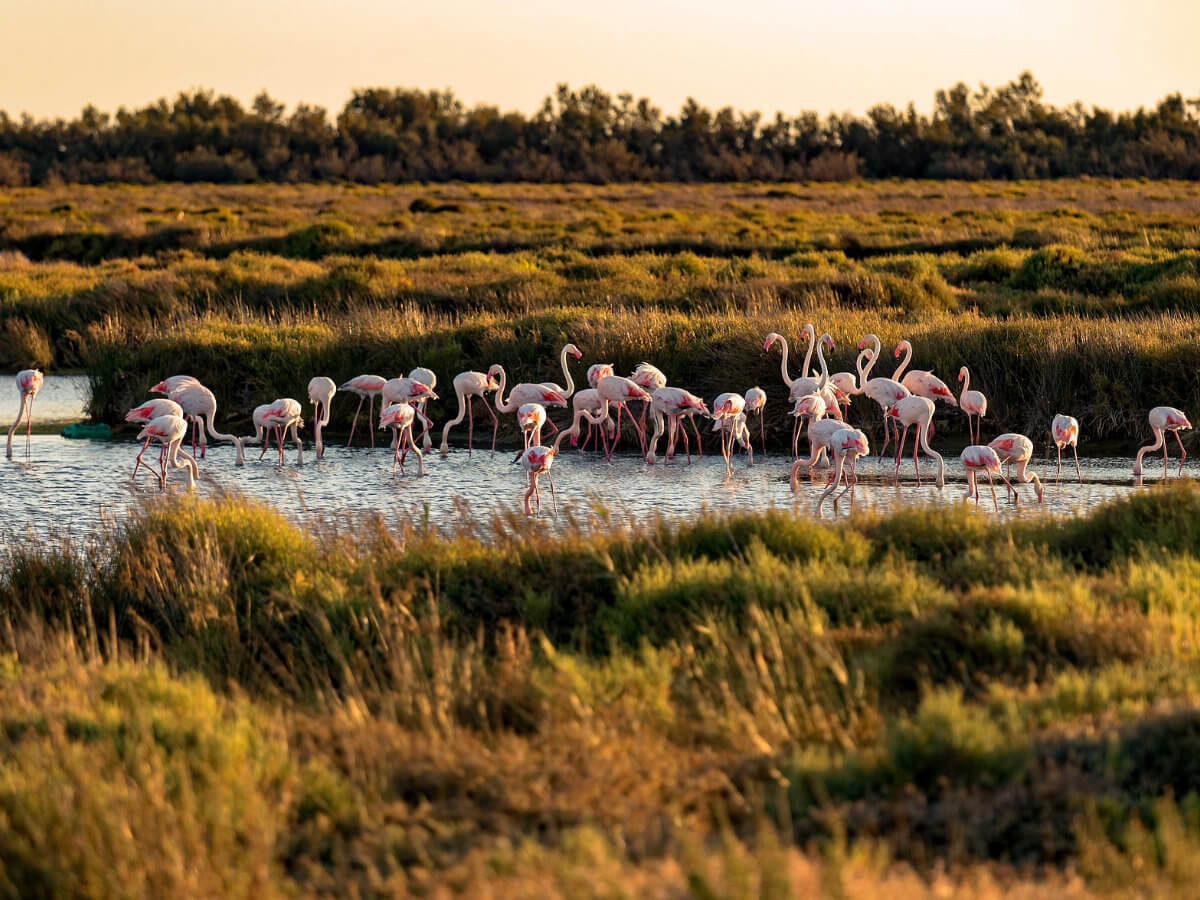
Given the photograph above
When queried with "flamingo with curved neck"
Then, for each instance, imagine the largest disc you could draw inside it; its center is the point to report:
(917, 411)
(320, 392)
(1017, 449)
(1164, 419)
(884, 391)
(468, 385)
(29, 382)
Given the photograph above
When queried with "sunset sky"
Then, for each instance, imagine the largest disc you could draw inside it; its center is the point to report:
(755, 54)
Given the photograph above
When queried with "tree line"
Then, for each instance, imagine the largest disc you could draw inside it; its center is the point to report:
(396, 135)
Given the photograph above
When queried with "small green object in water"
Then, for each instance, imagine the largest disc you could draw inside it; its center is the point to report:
(99, 432)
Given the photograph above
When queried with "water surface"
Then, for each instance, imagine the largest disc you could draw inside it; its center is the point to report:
(80, 485)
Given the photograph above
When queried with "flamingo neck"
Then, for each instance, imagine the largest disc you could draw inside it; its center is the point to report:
(872, 358)
(783, 361)
(562, 358)
(966, 383)
(824, 368)
(812, 333)
(929, 451)
(904, 362)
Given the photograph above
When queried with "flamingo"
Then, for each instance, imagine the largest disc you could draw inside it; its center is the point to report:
(820, 436)
(284, 416)
(847, 383)
(199, 405)
(320, 392)
(650, 378)
(1017, 449)
(467, 386)
(618, 391)
(921, 382)
(429, 379)
(845, 443)
(1164, 419)
(1065, 432)
(401, 417)
(29, 382)
(917, 411)
(171, 429)
(668, 405)
(980, 458)
(756, 402)
(884, 391)
(368, 387)
(531, 417)
(810, 408)
(596, 371)
(589, 399)
(775, 337)
(261, 435)
(536, 461)
(728, 406)
(804, 384)
(152, 409)
(408, 390)
(525, 392)
(740, 434)
(973, 403)
(169, 386)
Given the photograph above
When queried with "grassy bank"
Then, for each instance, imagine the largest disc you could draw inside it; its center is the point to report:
(213, 701)
(1030, 367)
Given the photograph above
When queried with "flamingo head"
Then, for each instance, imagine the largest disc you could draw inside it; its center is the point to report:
(856, 443)
(421, 391)
(771, 339)
(574, 351)
(828, 342)
(896, 353)
(492, 383)
(160, 388)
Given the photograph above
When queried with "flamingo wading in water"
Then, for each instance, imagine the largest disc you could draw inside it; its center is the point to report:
(1164, 419)
(171, 430)
(368, 387)
(973, 403)
(978, 458)
(29, 382)
(1016, 449)
(152, 409)
(1065, 432)
(845, 443)
(467, 386)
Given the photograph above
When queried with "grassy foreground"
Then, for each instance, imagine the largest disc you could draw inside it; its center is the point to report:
(216, 702)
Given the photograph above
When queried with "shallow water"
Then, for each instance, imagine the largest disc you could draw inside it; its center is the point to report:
(61, 399)
(79, 485)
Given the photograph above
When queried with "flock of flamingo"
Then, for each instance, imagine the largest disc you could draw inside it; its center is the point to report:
(821, 402)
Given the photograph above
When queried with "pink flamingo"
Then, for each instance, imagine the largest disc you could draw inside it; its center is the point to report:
(29, 382)
(805, 384)
(756, 402)
(740, 434)
(531, 417)
(775, 337)
(1065, 432)
(152, 409)
(429, 379)
(368, 387)
(467, 386)
(846, 443)
(973, 403)
(536, 461)
(1164, 419)
(884, 391)
(668, 405)
(525, 392)
(401, 417)
(917, 411)
(979, 458)
(728, 406)
(650, 378)
(921, 382)
(847, 383)
(596, 371)
(820, 438)
(589, 400)
(408, 390)
(805, 387)
(618, 391)
(261, 433)
(284, 416)
(320, 393)
(171, 430)
(1016, 449)
(199, 405)
(169, 386)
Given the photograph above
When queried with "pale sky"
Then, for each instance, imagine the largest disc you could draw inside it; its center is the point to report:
(765, 55)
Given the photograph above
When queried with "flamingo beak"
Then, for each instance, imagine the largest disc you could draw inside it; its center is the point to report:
(578, 354)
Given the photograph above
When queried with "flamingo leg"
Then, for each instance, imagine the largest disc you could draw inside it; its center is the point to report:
(1164, 443)
(1058, 473)
(672, 434)
(796, 438)
(553, 495)
(916, 444)
(354, 424)
(617, 436)
(29, 426)
(495, 424)
(762, 428)
(887, 434)
(1010, 488)
(471, 423)
(1182, 452)
(699, 443)
(139, 462)
(992, 482)
(900, 452)
(371, 418)
(1079, 476)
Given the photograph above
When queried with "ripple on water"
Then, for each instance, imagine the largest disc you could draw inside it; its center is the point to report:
(81, 485)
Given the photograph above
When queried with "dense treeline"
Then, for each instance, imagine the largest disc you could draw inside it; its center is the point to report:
(385, 135)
